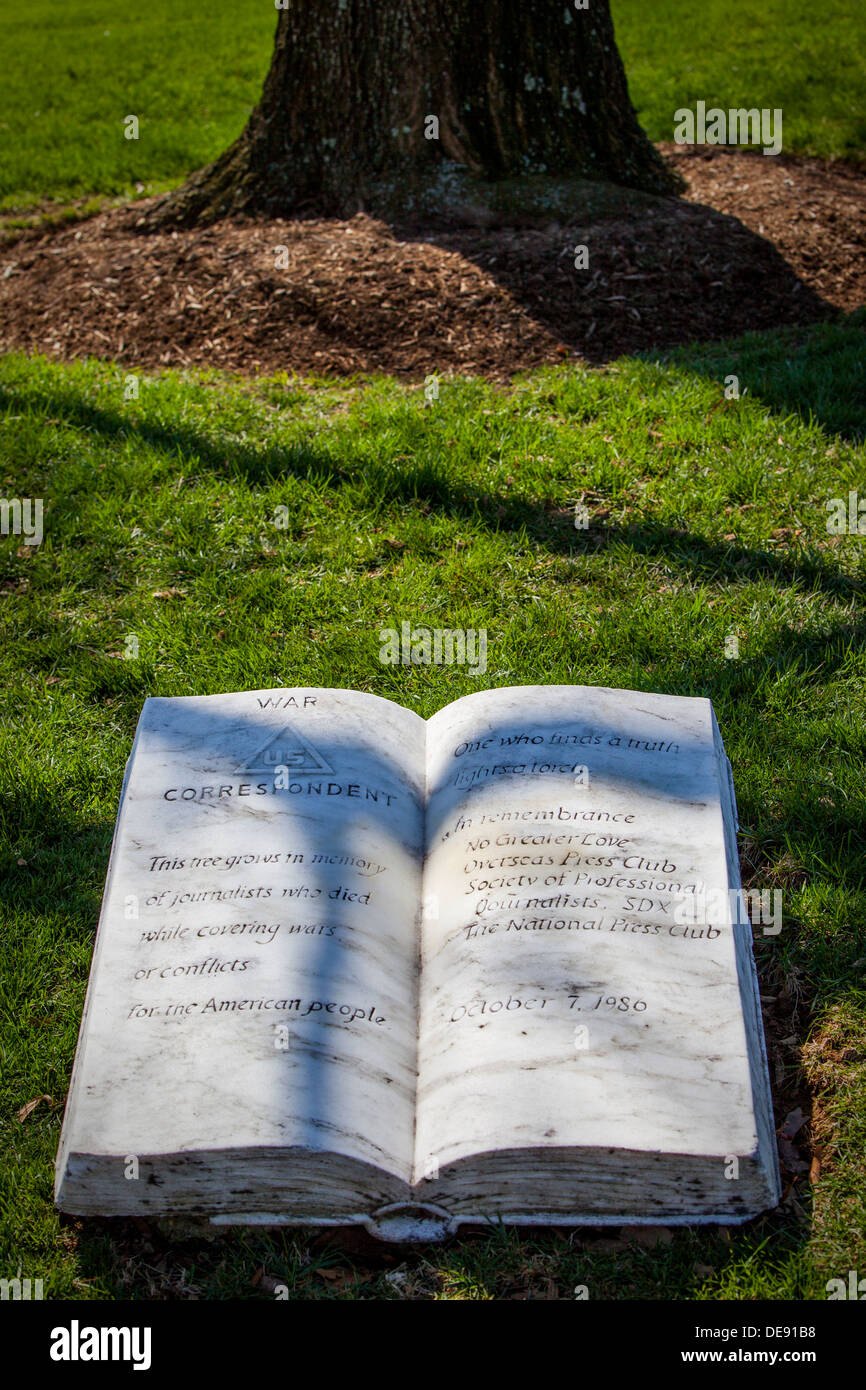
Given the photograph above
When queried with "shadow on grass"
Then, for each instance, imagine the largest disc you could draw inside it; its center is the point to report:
(677, 278)
(504, 1262)
(60, 863)
(816, 373)
(423, 483)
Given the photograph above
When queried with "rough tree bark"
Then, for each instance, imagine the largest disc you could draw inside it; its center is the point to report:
(517, 89)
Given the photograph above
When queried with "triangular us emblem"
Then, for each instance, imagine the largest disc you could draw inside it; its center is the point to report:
(291, 750)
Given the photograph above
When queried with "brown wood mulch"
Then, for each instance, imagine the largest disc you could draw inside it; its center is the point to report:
(757, 243)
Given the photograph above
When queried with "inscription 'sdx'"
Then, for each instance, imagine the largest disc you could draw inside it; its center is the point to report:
(287, 748)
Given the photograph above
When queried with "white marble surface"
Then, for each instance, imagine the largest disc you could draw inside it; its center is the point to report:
(562, 1007)
(181, 1050)
(552, 897)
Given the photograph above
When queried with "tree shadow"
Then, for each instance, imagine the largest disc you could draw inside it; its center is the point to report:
(649, 275)
(604, 273)
(424, 482)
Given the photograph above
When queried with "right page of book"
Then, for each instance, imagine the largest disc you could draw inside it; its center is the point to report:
(579, 982)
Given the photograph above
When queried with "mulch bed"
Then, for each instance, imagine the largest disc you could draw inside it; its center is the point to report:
(757, 243)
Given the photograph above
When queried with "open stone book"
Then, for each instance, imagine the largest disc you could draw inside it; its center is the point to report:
(355, 967)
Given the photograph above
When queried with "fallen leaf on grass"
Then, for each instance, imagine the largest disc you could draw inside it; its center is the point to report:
(27, 1110)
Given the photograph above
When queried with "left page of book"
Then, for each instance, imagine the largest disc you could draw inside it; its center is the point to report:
(254, 981)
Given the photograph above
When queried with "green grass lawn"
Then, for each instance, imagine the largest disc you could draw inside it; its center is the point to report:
(806, 59)
(707, 520)
(73, 73)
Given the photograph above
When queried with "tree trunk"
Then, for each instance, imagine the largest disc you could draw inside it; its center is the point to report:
(404, 107)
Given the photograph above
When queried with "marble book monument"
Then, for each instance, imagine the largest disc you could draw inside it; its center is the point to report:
(355, 967)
